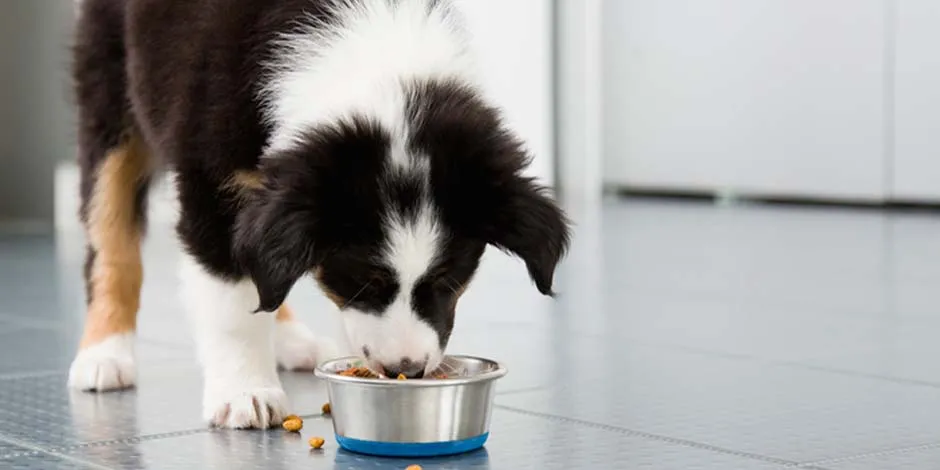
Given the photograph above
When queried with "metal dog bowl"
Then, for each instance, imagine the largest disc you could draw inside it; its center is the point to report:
(416, 417)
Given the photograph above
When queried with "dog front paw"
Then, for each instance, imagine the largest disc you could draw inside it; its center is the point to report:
(108, 365)
(251, 408)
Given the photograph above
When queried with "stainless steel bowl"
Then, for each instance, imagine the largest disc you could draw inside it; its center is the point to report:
(418, 417)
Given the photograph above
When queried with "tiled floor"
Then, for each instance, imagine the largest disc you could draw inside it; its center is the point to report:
(686, 336)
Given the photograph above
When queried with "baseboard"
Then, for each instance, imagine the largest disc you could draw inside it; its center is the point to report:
(775, 199)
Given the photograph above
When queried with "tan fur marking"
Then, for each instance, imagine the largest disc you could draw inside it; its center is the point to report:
(284, 313)
(333, 296)
(243, 182)
(116, 274)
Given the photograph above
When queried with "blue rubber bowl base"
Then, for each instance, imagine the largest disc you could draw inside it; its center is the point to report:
(412, 449)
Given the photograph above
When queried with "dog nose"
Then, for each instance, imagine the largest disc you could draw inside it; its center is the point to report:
(407, 367)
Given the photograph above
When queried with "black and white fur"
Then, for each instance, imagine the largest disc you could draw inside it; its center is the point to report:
(383, 172)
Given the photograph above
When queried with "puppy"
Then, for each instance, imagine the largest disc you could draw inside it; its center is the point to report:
(346, 139)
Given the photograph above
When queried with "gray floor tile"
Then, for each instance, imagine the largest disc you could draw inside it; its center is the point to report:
(6, 449)
(43, 461)
(14, 457)
(10, 327)
(683, 336)
(52, 349)
(874, 342)
(517, 442)
(832, 259)
(41, 411)
(927, 457)
(783, 412)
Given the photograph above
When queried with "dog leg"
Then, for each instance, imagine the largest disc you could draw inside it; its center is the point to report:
(236, 350)
(113, 212)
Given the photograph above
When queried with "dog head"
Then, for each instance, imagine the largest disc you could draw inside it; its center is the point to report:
(392, 220)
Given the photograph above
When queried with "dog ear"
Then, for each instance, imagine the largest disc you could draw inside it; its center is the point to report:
(530, 225)
(274, 242)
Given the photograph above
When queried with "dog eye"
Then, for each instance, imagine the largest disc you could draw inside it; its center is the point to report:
(376, 282)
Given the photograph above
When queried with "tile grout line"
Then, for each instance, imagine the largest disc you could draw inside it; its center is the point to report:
(54, 372)
(36, 450)
(868, 455)
(32, 375)
(62, 451)
(812, 465)
(664, 439)
(33, 449)
(179, 347)
(808, 465)
(134, 439)
(794, 365)
(764, 361)
(666, 346)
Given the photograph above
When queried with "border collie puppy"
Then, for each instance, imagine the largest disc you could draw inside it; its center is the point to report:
(345, 139)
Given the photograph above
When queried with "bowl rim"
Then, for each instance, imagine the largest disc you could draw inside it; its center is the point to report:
(498, 372)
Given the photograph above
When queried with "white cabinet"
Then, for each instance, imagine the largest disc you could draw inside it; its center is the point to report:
(770, 97)
(916, 163)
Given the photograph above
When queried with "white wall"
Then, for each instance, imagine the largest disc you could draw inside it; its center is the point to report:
(770, 97)
(513, 41)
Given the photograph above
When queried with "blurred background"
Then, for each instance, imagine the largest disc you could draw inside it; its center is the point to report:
(830, 101)
(753, 283)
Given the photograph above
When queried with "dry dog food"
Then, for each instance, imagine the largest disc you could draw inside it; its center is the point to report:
(366, 373)
(293, 423)
(316, 442)
(362, 372)
(325, 409)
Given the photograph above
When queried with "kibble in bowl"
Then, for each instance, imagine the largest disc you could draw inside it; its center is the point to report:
(447, 412)
(364, 372)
